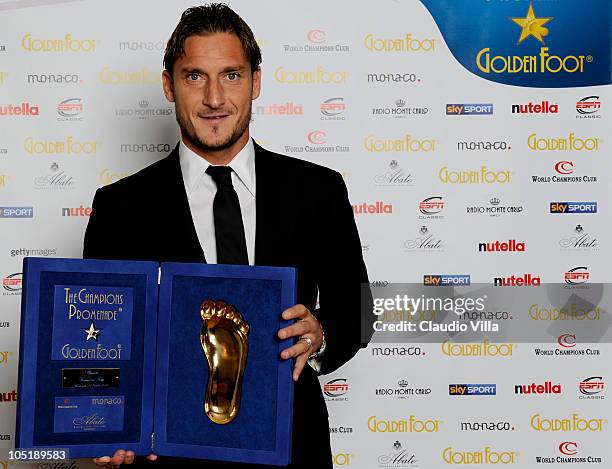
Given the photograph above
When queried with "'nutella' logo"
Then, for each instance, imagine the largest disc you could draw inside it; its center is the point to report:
(511, 245)
(547, 388)
(23, 109)
(379, 208)
(517, 281)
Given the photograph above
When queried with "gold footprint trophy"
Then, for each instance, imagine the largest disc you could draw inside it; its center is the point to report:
(224, 338)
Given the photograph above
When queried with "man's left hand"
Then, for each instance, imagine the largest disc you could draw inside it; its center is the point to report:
(306, 326)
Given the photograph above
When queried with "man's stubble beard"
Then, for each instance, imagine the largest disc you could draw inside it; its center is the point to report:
(188, 129)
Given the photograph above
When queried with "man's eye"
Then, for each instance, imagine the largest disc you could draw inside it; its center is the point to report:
(232, 76)
(193, 76)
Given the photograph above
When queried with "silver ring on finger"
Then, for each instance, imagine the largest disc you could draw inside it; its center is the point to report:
(308, 342)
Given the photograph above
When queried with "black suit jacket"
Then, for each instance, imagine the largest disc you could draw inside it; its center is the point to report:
(303, 220)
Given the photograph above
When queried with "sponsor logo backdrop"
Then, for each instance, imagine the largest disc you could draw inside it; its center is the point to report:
(473, 138)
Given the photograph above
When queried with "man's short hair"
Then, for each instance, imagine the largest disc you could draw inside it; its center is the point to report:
(208, 19)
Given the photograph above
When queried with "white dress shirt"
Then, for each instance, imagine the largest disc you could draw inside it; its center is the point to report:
(201, 190)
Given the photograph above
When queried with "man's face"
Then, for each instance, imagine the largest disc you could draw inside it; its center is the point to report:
(212, 87)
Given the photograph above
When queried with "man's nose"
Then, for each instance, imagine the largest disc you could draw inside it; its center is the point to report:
(214, 95)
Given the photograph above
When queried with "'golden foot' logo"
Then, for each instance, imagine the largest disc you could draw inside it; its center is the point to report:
(225, 343)
(532, 26)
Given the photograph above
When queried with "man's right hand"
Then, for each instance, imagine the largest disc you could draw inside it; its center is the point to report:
(120, 457)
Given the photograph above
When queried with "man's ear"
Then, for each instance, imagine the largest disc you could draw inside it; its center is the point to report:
(256, 84)
(168, 86)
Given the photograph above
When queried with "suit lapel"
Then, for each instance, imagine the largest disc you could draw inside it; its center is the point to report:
(181, 239)
(272, 210)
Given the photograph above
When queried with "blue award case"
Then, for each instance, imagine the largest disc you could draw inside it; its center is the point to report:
(110, 357)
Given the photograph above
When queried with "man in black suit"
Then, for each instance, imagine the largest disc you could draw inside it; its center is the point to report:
(288, 212)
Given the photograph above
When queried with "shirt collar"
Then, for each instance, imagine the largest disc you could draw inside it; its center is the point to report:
(194, 167)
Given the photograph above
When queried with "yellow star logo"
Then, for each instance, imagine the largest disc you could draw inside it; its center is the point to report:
(532, 26)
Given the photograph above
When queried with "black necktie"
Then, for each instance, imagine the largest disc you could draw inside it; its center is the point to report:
(229, 230)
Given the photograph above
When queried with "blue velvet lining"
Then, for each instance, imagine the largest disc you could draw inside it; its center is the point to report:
(255, 426)
(48, 372)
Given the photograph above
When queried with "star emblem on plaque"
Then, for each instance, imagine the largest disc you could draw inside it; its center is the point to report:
(91, 332)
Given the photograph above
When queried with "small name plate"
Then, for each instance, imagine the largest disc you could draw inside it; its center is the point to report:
(90, 377)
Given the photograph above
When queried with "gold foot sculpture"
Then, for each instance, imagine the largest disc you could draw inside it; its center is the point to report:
(224, 338)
